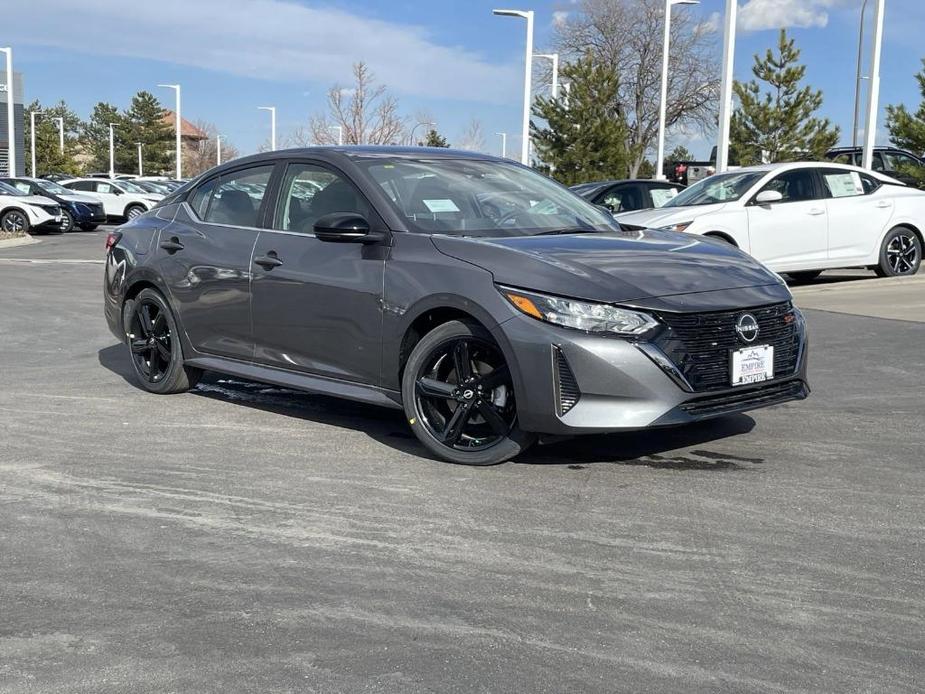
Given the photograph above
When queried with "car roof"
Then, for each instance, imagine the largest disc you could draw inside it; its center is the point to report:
(625, 180)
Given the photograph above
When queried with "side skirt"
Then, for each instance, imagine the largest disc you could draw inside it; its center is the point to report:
(299, 381)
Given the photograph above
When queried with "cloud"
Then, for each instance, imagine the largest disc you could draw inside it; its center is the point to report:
(756, 15)
(274, 40)
(559, 17)
(710, 26)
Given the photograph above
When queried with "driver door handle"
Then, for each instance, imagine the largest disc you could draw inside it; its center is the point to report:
(268, 261)
(884, 203)
(172, 245)
(816, 211)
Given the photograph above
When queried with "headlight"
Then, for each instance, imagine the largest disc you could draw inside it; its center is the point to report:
(678, 226)
(581, 315)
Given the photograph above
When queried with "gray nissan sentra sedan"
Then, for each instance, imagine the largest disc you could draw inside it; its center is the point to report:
(490, 303)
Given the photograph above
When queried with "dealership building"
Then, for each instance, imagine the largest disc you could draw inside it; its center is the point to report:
(18, 122)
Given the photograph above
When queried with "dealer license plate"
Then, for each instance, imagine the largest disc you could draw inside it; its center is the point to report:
(752, 365)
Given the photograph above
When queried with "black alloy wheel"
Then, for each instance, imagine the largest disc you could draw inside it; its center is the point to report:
(901, 253)
(459, 396)
(14, 222)
(154, 346)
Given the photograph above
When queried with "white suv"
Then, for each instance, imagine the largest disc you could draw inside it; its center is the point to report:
(121, 199)
(21, 213)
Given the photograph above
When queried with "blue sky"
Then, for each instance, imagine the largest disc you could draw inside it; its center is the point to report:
(450, 59)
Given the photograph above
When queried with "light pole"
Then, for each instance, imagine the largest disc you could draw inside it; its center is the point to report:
(873, 96)
(663, 103)
(32, 115)
(60, 122)
(272, 110)
(528, 70)
(10, 120)
(140, 167)
(179, 129)
(340, 133)
(112, 151)
(430, 123)
(218, 150)
(503, 145)
(858, 78)
(554, 57)
(725, 90)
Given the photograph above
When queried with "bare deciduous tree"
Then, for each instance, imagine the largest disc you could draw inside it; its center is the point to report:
(472, 138)
(626, 36)
(366, 113)
(202, 156)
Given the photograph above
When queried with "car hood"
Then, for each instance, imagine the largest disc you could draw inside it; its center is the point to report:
(35, 199)
(644, 268)
(663, 216)
(74, 197)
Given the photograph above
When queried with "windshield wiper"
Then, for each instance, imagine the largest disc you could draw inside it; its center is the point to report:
(571, 230)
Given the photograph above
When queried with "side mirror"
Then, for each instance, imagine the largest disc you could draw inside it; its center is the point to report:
(605, 208)
(116, 191)
(345, 227)
(766, 197)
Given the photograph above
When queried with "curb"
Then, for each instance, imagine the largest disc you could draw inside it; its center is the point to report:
(867, 284)
(23, 241)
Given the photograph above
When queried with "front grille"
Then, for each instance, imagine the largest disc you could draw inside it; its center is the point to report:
(567, 393)
(699, 344)
(749, 398)
(53, 210)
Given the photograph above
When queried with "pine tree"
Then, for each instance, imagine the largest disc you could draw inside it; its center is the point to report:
(680, 153)
(907, 130)
(145, 123)
(434, 139)
(48, 155)
(584, 139)
(95, 136)
(779, 124)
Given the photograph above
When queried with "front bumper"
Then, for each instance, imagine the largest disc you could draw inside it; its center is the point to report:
(621, 384)
(88, 215)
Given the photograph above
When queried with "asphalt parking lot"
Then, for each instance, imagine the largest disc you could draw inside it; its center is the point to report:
(245, 538)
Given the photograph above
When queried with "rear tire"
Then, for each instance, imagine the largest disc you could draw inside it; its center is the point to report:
(459, 397)
(154, 346)
(804, 275)
(900, 254)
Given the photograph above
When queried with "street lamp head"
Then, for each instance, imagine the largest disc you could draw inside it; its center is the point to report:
(512, 13)
(683, 2)
(169, 86)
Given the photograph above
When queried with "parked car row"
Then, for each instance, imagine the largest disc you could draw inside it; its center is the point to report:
(42, 205)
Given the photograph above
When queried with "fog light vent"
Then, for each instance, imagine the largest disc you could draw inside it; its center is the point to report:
(567, 393)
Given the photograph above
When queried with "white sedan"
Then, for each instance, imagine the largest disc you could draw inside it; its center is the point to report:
(121, 199)
(802, 218)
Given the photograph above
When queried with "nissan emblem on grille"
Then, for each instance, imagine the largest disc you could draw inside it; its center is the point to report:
(747, 327)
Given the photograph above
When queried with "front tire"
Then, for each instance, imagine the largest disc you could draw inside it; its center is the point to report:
(15, 222)
(67, 222)
(154, 346)
(133, 211)
(900, 254)
(458, 397)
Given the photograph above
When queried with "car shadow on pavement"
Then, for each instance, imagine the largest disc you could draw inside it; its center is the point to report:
(652, 448)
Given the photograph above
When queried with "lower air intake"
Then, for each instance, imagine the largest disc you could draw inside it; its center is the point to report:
(567, 393)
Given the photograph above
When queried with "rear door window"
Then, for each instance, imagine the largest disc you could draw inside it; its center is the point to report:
(843, 184)
(237, 198)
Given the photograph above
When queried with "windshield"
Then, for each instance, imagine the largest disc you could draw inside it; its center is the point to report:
(469, 197)
(130, 187)
(726, 187)
(6, 189)
(151, 187)
(53, 188)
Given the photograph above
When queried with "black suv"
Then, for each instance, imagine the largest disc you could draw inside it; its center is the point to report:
(897, 163)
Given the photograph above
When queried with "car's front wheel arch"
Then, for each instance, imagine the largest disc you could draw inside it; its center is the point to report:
(720, 236)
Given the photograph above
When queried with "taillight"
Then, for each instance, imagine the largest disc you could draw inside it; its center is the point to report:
(112, 239)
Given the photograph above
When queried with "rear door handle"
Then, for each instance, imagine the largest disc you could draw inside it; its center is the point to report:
(268, 261)
(172, 245)
(884, 203)
(816, 211)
